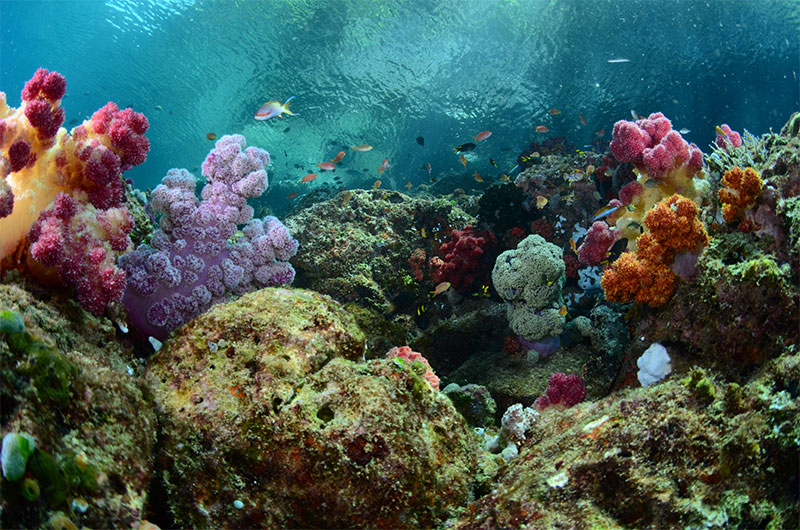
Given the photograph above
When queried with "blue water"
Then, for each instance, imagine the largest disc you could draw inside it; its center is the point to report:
(385, 73)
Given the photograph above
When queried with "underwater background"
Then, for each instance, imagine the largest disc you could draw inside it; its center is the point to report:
(507, 264)
(386, 72)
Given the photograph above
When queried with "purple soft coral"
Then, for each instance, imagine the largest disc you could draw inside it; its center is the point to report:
(191, 264)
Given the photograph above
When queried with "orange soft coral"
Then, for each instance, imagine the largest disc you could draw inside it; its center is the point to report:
(674, 224)
(646, 276)
(740, 191)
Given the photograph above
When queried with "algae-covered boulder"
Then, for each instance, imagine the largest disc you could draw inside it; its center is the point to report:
(269, 420)
(685, 453)
(68, 388)
(530, 279)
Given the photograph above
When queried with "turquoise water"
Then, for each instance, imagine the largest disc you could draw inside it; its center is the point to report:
(384, 73)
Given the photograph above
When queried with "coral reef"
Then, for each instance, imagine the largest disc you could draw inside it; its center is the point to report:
(664, 456)
(191, 264)
(281, 421)
(355, 247)
(62, 211)
(530, 279)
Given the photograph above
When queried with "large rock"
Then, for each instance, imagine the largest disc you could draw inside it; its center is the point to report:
(269, 420)
(65, 380)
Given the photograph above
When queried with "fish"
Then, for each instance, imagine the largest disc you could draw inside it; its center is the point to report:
(270, 109)
(541, 201)
(338, 157)
(634, 115)
(469, 146)
(424, 232)
(583, 120)
(428, 167)
(590, 169)
(483, 135)
(408, 185)
(376, 184)
(721, 132)
(492, 162)
(601, 133)
(542, 129)
(563, 311)
(512, 169)
(439, 289)
(292, 195)
(633, 225)
(420, 140)
(309, 177)
(326, 166)
(572, 245)
(362, 148)
(504, 177)
(554, 112)
(477, 177)
(159, 107)
(346, 196)
(617, 249)
(685, 131)
(618, 61)
(603, 212)
(287, 129)
(463, 160)
(383, 167)
(651, 183)
(211, 136)
(483, 291)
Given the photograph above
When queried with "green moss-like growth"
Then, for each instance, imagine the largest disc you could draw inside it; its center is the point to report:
(382, 334)
(50, 476)
(732, 398)
(52, 375)
(700, 384)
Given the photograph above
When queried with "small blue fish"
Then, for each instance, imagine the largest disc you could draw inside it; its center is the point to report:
(604, 212)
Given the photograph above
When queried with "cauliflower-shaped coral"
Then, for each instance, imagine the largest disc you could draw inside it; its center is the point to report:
(646, 276)
(530, 278)
(740, 191)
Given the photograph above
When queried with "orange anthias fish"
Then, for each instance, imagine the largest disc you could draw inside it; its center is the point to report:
(477, 177)
(408, 185)
(573, 246)
(542, 129)
(383, 167)
(362, 148)
(463, 160)
(439, 289)
(326, 166)
(338, 157)
(583, 120)
(563, 311)
(309, 177)
(541, 201)
(270, 109)
(292, 195)
(376, 184)
(554, 112)
(601, 133)
(483, 135)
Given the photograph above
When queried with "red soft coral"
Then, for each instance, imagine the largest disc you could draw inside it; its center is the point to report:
(463, 258)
